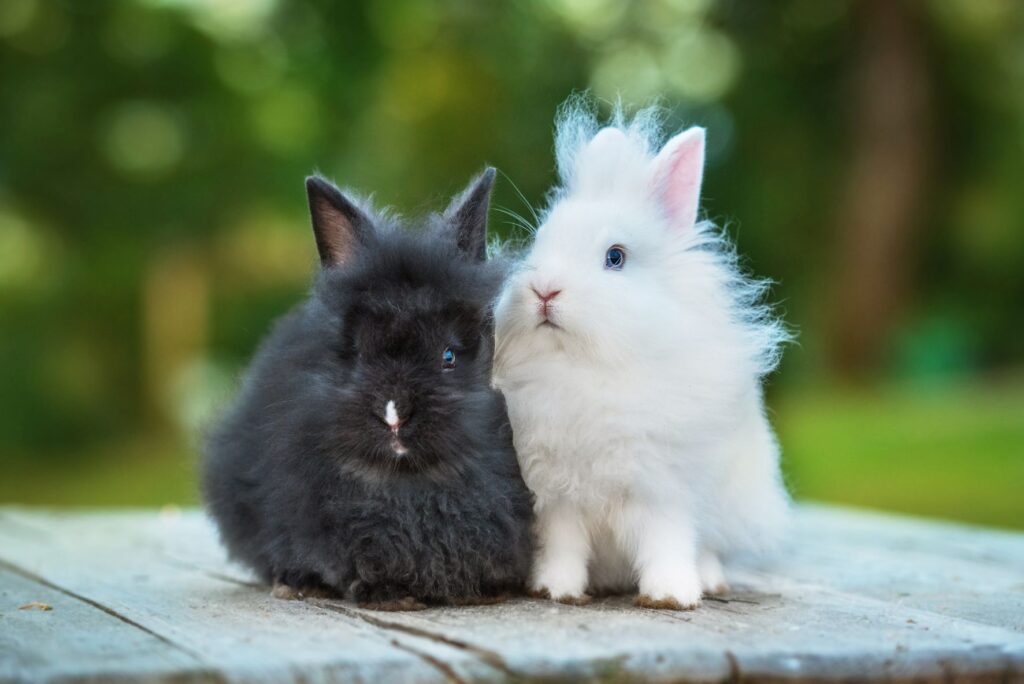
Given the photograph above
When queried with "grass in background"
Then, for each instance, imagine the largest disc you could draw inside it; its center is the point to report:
(955, 453)
(951, 452)
(149, 472)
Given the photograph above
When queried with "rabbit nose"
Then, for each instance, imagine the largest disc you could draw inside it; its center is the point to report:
(391, 416)
(545, 296)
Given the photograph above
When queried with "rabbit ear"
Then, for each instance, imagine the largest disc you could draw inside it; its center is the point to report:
(339, 226)
(467, 215)
(678, 169)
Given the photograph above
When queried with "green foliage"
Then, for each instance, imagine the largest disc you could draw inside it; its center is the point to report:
(152, 216)
(954, 452)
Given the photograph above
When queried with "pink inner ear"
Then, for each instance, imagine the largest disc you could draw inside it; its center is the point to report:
(678, 171)
(335, 234)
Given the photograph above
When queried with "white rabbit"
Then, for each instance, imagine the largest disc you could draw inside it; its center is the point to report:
(631, 352)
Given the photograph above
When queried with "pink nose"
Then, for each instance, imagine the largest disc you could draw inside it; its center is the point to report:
(546, 297)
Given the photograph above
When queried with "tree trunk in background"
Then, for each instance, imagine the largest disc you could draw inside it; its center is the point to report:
(881, 203)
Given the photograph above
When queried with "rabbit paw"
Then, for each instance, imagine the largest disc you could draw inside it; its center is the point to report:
(286, 592)
(575, 599)
(664, 603)
(406, 603)
(678, 593)
(563, 580)
(712, 577)
(580, 599)
(384, 597)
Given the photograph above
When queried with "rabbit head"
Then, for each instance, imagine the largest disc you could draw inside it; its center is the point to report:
(403, 332)
(621, 273)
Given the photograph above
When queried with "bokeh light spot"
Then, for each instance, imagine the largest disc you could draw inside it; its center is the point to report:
(666, 20)
(631, 72)
(16, 16)
(591, 18)
(227, 19)
(702, 64)
(286, 120)
(693, 7)
(22, 251)
(34, 27)
(143, 139)
(981, 18)
(199, 391)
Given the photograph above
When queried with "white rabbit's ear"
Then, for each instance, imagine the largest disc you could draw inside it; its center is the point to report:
(678, 169)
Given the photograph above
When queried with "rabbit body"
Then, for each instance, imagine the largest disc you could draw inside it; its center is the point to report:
(631, 352)
(367, 452)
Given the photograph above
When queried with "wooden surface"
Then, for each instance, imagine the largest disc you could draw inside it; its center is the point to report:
(853, 596)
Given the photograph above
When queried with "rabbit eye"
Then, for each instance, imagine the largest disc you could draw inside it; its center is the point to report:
(447, 359)
(615, 258)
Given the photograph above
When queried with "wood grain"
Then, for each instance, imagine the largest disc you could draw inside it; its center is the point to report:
(853, 596)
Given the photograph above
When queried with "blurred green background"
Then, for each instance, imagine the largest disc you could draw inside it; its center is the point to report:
(867, 155)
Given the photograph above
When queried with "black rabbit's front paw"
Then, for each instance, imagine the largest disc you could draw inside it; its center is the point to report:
(384, 597)
(287, 592)
(406, 603)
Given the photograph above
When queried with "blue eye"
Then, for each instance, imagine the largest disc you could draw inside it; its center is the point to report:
(615, 258)
(448, 359)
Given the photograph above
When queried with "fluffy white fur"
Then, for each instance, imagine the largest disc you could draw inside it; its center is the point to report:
(639, 419)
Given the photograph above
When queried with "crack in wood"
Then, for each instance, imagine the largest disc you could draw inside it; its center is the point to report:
(720, 599)
(930, 637)
(487, 656)
(10, 567)
(735, 675)
(447, 670)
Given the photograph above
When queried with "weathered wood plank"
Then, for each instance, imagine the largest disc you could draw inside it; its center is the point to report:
(73, 636)
(852, 596)
(235, 631)
(955, 570)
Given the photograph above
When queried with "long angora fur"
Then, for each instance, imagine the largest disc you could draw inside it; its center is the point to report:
(367, 452)
(635, 392)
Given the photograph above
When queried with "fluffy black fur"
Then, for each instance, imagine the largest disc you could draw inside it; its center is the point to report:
(306, 479)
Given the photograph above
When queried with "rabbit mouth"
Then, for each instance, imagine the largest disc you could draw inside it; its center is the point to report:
(397, 447)
(546, 318)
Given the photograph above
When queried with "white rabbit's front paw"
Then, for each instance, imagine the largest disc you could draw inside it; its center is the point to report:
(678, 591)
(712, 577)
(563, 582)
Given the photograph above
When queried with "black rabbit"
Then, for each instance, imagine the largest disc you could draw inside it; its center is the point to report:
(367, 452)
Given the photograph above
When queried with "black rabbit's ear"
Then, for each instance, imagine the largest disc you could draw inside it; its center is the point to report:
(341, 229)
(467, 215)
